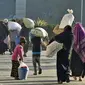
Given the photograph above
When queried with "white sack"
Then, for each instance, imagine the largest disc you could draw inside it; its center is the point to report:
(53, 48)
(14, 26)
(29, 23)
(39, 32)
(67, 19)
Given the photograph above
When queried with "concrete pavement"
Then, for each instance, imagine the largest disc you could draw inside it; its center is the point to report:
(48, 76)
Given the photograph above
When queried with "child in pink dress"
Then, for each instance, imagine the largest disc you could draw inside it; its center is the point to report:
(16, 57)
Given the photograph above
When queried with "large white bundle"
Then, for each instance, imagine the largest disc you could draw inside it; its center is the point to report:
(67, 19)
(14, 26)
(53, 48)
(29, 23)
(39, 32)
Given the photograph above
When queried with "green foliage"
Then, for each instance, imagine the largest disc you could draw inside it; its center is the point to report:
(50, 26)
(41, 23)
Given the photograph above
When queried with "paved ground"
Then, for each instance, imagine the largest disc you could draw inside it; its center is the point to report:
(48, 77)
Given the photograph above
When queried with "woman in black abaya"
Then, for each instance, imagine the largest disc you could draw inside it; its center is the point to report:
(62, 62)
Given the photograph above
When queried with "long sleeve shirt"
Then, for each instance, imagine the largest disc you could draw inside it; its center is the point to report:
(36, 48)
(18, 53)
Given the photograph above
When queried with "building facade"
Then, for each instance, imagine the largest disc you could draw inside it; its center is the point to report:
(50, 10)
(7, 8)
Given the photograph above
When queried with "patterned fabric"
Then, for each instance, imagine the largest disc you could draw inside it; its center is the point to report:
(14, 70)
(79, 40)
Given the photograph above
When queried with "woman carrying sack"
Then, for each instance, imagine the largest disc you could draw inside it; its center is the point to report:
(62, 61)
(16, 57)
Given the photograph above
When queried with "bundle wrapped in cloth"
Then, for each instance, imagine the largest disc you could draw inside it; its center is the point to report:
(53, 48)
(79, 40)
(39, 32)
(14, 26)
(29, 23)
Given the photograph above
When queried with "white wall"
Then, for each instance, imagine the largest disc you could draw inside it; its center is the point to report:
(20, 8)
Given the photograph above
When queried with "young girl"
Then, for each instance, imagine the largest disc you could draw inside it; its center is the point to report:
(16, 57)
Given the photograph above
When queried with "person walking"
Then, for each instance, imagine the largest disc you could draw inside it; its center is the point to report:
(16, 57)
(36, 52)
(78, 53)
(62, 61)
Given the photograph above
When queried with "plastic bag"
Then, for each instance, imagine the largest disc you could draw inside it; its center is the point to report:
(53, 48)
(67, 19)
(29, 23)
(22, 64)
(14, 26)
